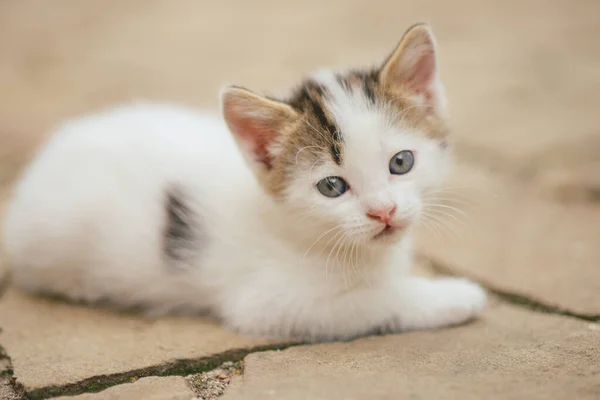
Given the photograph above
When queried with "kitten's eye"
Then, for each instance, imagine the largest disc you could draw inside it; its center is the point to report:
(402, 162)
(332, 186)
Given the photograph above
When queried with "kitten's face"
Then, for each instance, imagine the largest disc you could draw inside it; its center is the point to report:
(354, 152)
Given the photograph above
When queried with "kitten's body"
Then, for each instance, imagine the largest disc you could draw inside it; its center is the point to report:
(154, 206)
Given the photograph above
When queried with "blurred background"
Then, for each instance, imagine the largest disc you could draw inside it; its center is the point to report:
(522, 77)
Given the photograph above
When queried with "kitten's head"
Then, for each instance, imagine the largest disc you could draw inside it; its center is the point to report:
(354, 151)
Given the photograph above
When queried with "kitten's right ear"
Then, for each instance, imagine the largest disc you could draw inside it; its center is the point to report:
(257, 123)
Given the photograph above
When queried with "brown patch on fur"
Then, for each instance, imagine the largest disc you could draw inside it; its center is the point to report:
(313, 137)
(283, 134)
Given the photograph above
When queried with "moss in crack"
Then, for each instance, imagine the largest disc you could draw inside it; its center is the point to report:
(525, 302)
(177, 368)
(515, 298)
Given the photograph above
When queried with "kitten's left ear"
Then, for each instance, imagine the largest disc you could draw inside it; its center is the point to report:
(412, 67)
(257, 123)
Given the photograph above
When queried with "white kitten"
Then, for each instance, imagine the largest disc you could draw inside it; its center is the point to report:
(155, 206)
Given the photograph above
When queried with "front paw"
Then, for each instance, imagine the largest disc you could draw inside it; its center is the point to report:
(460, 300)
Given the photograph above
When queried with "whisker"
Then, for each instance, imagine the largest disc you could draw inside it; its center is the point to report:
(306, 148)
(436, 199)
(321, 237)
(322, 134)
(441, 223)
(427, 224)
(311, 168)
(337, 243)
(447, 207)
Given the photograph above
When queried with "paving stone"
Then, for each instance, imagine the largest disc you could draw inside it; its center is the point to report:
(509, 354)
(517, 241)
(572, 185)
(52, 343)
(572, 177)
(517, 100)
(150, 388)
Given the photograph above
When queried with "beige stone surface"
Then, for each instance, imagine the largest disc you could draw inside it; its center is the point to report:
(3, 277)
(511, 354)
(508, 237)
(573, 176)
(150, 388)
(54, 343)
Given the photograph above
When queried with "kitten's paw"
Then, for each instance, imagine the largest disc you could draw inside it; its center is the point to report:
(441, 302)
(460, 300)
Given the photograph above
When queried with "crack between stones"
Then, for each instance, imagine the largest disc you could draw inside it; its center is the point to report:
(513, 298)
(7, 379)
(174, 368)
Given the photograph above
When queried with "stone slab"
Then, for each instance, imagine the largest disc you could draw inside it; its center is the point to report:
(509, 354)
(150, 388)
(572, 177)
(517, 240)
(52, 343)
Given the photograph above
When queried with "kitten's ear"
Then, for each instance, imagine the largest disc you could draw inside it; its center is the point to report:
(412, 67)
(257, 123)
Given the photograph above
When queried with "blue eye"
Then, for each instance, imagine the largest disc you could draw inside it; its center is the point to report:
(332, 186)
(402, 162)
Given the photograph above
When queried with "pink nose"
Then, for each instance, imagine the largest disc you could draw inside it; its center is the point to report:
(383, 214)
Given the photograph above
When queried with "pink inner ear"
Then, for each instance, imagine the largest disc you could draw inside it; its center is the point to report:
(422, 74)
(257, 139)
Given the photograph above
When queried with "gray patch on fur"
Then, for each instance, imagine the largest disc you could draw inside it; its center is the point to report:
(183, 234)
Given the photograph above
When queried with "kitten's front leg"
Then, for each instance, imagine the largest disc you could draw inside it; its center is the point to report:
(432, 303)
(302, 312)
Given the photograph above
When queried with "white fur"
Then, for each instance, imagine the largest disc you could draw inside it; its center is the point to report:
(87, 219)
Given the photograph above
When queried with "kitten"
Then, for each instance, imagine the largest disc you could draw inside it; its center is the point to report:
(291, 219)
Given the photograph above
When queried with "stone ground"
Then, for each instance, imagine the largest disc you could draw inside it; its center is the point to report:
(523, 78)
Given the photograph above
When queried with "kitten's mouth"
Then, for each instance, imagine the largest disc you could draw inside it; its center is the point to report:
(385, 232)
(391, 230)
